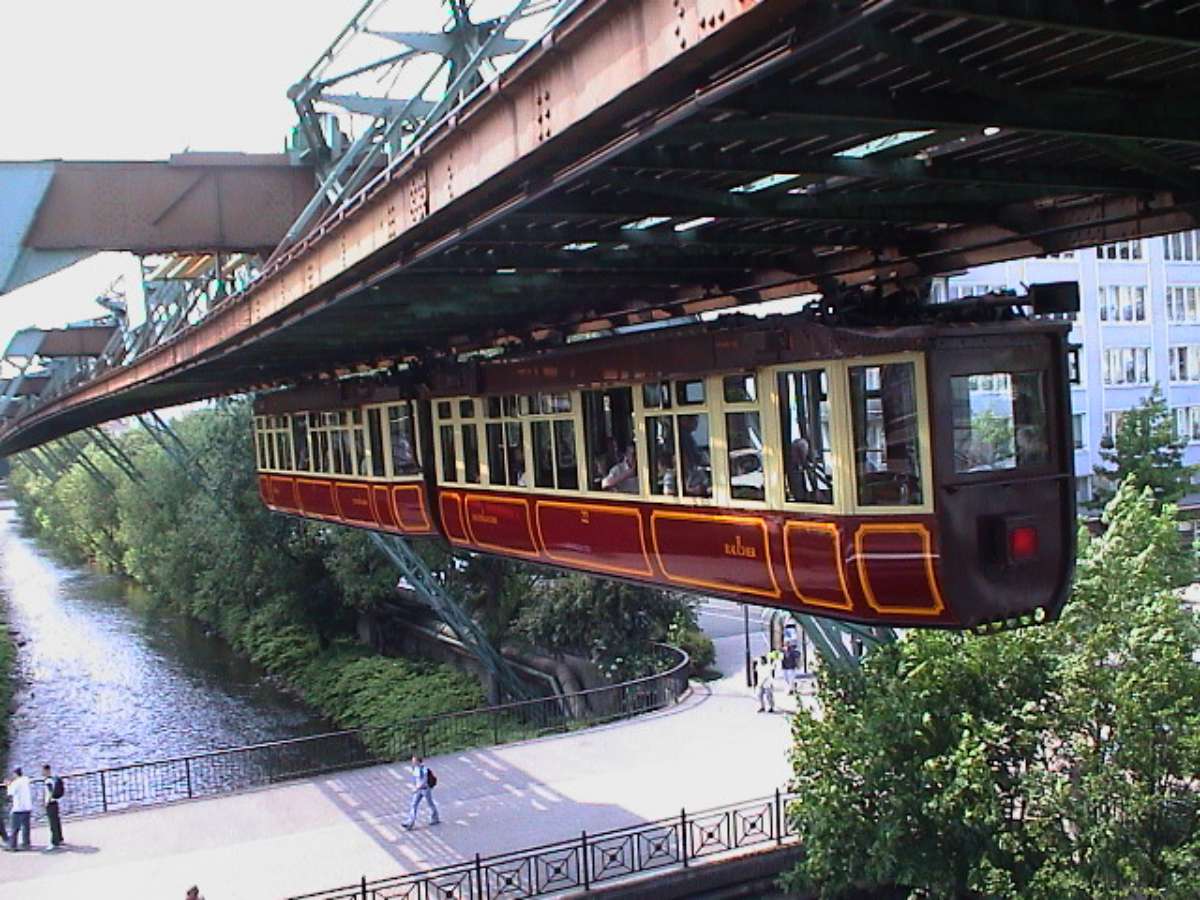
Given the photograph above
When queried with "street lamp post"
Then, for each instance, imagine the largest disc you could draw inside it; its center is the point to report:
(746, 628)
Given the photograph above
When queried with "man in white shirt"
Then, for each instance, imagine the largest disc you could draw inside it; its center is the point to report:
(422, 790)
(21, 793)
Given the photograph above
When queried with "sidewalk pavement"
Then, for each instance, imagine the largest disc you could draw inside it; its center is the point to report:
(710, 750)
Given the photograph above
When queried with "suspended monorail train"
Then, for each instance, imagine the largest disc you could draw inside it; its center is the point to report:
(904, 476)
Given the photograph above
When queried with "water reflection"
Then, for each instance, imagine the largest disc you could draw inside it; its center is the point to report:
(114, 678)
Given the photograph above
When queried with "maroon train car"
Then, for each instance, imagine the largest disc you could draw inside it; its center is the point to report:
(917, 476)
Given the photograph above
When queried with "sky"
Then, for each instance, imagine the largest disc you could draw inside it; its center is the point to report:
(133, 79)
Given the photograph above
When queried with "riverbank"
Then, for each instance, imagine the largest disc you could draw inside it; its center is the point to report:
(8, 673)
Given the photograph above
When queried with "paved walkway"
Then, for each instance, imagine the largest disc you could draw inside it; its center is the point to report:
(710, 750)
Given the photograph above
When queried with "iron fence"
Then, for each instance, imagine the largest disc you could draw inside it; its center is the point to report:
(590, 859)
(238, 768)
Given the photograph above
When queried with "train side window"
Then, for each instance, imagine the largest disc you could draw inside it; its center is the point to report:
(319, 437)
(375, 439)
(999, 421)
(505, 441)
(470, 450)
(744, 437)
(403, 440)
(805, 427)
(887, 452)
(449, 460)
(679, 439)
(609, 439)
(300, 441)
(552, 433)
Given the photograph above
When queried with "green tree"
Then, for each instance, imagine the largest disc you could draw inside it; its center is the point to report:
(1146, 448)
(1051, 762)
(609, 622)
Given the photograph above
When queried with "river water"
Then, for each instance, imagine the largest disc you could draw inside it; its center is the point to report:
(110, 677)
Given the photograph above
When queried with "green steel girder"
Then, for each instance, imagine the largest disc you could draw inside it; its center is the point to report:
(1125, 20)
(697, 239)
(741, 161)
(810, 111)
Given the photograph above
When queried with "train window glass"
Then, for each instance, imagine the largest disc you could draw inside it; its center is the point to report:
(375, 436)
(679, 442)
(741, 388)
(340, 441)
(804, 423)
(470, 450)
(449, 460)
(320, 450)
(283, 452)
(543, 455)
(360, 450)
(887, 449)
(999, 421)
(689, 393)
(743, 436)
(608, 438)
(497, 465)
(300, 442)
(444, 409)
(402, 437)
(466, 409)
(564, 452)
(656, 395)
(505, 441)
(664, 474)
(270, 448)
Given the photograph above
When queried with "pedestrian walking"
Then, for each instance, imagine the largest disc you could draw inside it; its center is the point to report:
(423, 783)
(21, 792)
(52, 791)
(765, 677)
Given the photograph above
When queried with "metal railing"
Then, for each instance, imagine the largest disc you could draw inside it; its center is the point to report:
(238, 768)
(583, 862)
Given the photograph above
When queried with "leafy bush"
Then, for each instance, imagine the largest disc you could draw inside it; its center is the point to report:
(1054, 762)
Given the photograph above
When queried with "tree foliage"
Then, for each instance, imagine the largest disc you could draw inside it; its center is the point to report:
(1053, 762)
(608, 622)
(1146, 449)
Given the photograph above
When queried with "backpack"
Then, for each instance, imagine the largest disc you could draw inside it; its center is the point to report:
(430, 778)
(57, 788)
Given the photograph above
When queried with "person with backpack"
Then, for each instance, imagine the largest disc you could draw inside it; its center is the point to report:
(53, 790)
(424, 781)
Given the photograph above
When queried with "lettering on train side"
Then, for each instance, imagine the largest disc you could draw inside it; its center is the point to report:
(484, 518)
(738, 549)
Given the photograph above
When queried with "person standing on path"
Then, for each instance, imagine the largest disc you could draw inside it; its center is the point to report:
(423, 783)
(52, 791)
(3, 817)
(765, 675)
(21, 792)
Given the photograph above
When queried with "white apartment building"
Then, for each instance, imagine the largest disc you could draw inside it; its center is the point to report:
(1139, 325)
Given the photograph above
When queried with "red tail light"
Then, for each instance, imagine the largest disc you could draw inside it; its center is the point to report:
(1022, 543)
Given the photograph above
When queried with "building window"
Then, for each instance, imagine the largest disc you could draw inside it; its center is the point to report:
(1078, 431)
(1122, 303)
(1183, 303)
(1120, 250)
(1187, 423)
(1112, 424)
(1183, 246)
(1185, 363)
(1083, 489)
(1066, 254)
(1126, 365)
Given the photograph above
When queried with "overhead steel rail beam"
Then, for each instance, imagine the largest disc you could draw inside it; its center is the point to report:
(654, 158)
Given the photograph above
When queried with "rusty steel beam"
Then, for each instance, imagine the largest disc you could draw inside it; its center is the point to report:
(603, 51)
(87, 341)
(191, 202)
